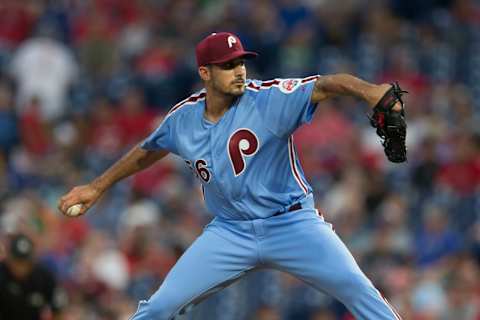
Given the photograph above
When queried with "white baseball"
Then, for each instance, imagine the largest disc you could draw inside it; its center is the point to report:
(74, 210)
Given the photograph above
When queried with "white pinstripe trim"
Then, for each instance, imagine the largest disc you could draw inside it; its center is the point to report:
(256, 89)
(393, 309)
(264, 85)
(310, 79)
(276, 82)
(395, 313)
(138, 308)
(192, 96)
(293, 165)
(196, 97)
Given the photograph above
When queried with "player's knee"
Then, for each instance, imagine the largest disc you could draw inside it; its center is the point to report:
(152, 310)
(162, 307)
(162, 310)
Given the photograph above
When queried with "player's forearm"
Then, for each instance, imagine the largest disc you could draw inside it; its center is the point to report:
(134, 161)
(347, 85)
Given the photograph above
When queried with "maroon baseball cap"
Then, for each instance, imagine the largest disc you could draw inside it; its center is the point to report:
(219, 48)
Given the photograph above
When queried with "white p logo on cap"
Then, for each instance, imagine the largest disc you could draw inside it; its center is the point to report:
(231, 40)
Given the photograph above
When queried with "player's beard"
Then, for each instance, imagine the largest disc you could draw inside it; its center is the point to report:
(235, 88)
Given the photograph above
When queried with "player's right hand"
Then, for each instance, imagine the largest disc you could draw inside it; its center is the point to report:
(86, 195)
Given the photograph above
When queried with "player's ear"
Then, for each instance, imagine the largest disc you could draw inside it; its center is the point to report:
(204, 72)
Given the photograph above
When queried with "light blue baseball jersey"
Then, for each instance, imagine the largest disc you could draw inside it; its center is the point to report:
(249, 170)
(246, 161)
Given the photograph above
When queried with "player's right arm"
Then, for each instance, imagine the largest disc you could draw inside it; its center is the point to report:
(134, 161)
(156, 146)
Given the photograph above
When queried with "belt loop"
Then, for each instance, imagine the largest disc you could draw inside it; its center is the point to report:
(258, 227)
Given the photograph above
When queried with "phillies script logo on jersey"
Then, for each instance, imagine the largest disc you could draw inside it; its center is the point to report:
(289, 85)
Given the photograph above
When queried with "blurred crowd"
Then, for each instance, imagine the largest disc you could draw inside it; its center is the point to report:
(82, 81)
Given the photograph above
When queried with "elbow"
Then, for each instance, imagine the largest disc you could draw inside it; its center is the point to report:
(325, 88)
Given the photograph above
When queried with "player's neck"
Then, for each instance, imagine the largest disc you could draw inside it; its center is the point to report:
(216, 104)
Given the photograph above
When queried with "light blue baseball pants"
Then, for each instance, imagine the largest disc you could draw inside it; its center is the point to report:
(298, 242)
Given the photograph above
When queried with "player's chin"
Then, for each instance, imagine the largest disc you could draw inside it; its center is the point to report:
(237, 90)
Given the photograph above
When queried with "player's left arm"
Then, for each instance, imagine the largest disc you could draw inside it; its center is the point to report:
(330, 86)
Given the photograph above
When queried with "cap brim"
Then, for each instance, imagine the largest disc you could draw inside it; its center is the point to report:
(235, 55)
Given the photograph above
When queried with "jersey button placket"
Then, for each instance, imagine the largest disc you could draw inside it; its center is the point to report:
(217, 179)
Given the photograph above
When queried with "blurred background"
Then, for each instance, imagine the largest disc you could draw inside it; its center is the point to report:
(82, 81)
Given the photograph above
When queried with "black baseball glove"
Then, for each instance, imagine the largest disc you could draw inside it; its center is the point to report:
(391, 126)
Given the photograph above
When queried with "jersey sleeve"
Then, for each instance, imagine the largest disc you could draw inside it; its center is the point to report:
(285, 104)
(162, 138)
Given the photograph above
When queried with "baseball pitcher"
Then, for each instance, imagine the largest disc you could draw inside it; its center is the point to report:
(236, 135)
